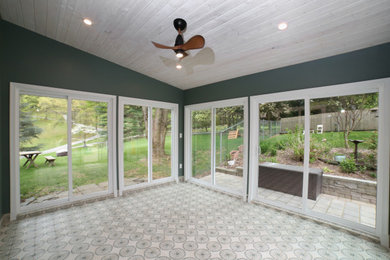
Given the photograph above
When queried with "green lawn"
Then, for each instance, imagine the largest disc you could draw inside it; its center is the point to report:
(201, 147)
(53, 134)
(333, 140)
(89, 165)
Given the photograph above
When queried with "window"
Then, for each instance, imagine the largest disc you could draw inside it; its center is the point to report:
(62, 146)
(318, 152)
(148, 147)
(215, 146)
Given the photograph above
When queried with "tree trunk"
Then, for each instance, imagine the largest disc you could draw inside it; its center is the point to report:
(346, 136)
(145, 112)
(160, 123)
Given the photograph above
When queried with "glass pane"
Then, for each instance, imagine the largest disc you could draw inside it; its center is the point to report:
(42, 135)
(135, 144)
(281, 137)
(161, 143)
(229, 148)
(89, 147)
(201, 145)
(343, 146)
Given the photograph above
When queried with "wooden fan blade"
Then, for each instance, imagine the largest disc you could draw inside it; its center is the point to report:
(184, 55)
(158, 45)
(196, 42)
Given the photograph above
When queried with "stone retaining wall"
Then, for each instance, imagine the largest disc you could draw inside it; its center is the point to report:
(236, 172)
(349, 188)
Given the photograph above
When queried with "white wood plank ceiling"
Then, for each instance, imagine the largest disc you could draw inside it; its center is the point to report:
(241, 36)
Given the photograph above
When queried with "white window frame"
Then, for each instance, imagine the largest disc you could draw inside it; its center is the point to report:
(382, 86)
(174, 144)
(188, 143)
(17, 89)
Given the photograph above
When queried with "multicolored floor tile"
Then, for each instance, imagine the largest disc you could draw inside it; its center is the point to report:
(178, 221)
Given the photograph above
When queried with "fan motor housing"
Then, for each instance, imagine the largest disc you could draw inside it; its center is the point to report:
(180, 24)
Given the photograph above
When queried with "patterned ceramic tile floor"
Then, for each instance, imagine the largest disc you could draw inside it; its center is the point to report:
(353, 210)
(228, 181)
(178, 221)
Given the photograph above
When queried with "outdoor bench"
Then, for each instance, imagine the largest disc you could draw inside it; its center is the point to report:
(288, 179)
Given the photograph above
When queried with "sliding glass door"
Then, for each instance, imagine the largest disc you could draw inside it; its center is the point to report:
(61, 146)
(317, 152)
(215, 145)
(147, 142)
(42, 132)
(281, 140)
(89, 147)
(344, 146)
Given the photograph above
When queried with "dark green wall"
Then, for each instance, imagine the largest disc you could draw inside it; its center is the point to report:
(366, 64)
(27, 57)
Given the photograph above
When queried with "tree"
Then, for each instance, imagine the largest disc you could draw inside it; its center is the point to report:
(272, 111)
(27, 130)
(134, 121)
(160, 122)
(160, 126)
(84, 118)
(350, 111)
(229, 115)
(201, 119)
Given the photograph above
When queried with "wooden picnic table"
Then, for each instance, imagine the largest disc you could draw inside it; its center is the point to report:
(30, 156)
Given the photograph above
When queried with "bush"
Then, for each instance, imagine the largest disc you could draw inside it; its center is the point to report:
(348, 166)
(372, 141)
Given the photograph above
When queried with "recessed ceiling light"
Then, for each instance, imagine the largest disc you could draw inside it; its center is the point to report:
(178, 66)
(282, 26)
(87, 21)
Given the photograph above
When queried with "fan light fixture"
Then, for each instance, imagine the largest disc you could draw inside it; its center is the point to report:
(179, 55)
(87, 21)
(282, 26)
(180, 48)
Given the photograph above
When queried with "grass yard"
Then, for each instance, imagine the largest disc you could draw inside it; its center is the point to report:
(89, 165)
(201, 148)
(332, 139)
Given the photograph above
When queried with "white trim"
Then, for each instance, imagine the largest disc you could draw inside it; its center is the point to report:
(245, 155)
(188, 142)
(60, 92)
(306, 157)
(14, 141)
(382, 220)
(212, 145)
(16, 89)
(355, 88)
(112, 150)
(150, 145)
(380, 85)
(174, 141)
(69, 147)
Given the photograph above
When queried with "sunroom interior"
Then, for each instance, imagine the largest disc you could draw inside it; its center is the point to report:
(265, 143)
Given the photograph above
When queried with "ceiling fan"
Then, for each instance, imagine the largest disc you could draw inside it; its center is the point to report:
(180, 48)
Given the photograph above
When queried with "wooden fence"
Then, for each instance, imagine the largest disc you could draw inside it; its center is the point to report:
(368, 122)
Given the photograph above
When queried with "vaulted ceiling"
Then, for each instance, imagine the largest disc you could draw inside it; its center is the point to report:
(241, 36)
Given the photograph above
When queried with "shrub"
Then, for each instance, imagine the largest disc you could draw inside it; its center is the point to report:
(348, 166)
(326, 170)
(273, 151)
(372, 141)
